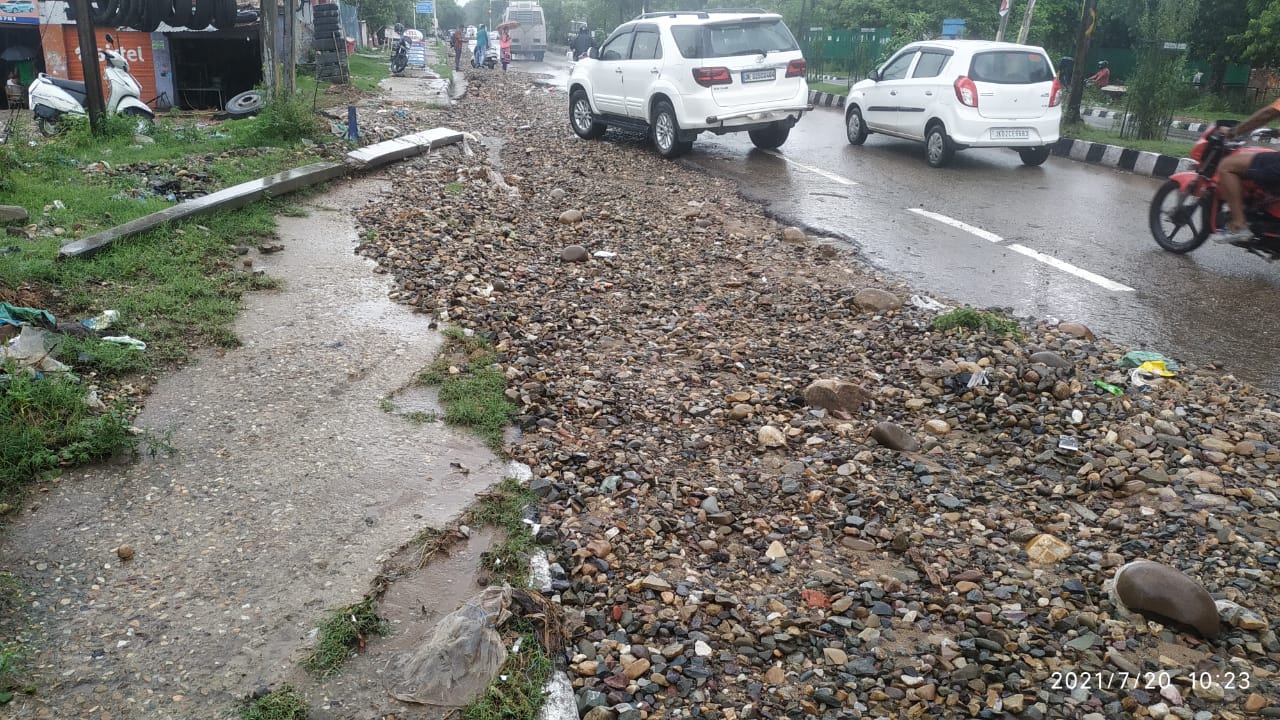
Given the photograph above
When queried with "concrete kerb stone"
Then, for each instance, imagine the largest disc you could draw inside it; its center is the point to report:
(275, 185)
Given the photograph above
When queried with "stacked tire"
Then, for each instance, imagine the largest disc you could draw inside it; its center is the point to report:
(147, 15)
(330, 44)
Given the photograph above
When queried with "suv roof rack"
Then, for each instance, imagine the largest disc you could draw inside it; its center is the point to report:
(700, 14)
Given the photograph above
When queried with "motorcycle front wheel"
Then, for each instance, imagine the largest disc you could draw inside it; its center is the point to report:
(1179, 220)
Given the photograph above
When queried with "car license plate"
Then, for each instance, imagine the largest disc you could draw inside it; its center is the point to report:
(1011, 134)
(759, 75)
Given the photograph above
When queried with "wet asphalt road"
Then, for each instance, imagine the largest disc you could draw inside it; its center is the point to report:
(1066, 240)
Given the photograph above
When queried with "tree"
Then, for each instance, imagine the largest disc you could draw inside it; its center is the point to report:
(1217, 37)
(1157, 83)
(1261, 40)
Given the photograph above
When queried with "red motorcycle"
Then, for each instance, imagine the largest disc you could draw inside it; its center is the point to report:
(1188, 208)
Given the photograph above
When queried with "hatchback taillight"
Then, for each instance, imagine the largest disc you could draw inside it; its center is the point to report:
(966, 91)
(706, 77)
(1055, 93)
(797, 68)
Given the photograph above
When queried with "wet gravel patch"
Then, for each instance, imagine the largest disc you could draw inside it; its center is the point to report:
(728, 544)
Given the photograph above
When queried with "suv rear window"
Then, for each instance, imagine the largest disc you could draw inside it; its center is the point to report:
(746, 37)
(1010, 67)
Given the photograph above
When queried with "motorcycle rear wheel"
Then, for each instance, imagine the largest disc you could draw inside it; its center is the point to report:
(1179, 221)
(49, 128)
(399, 62)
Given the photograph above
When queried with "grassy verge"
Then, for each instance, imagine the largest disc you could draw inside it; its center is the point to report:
(526, 672)
(1111, 137)
(503, 507)
(282, 704)
(472, 386)
(344, 633)
(971, 319)
(827, 87)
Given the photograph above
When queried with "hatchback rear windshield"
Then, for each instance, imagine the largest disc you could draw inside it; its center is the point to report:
(1011, 67)
(749, 37)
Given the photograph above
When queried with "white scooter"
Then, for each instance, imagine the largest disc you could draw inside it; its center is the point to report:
(51, 97)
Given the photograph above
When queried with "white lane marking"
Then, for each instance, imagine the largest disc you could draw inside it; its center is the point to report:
(1049, 260)
(1069, 268)
(990, 236)
(818, 171)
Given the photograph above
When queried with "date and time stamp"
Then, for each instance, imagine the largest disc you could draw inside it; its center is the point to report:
(1152, 680)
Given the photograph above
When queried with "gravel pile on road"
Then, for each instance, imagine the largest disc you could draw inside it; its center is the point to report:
(698, 390)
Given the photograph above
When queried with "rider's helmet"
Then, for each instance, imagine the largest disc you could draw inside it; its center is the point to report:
(1102, 63)
(399, 28)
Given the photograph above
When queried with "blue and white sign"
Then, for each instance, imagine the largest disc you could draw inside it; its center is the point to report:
(426, 8)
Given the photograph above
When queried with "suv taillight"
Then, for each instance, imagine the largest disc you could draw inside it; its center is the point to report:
(966, 91)
(1055, 93)
(706, 77)
(797, 68)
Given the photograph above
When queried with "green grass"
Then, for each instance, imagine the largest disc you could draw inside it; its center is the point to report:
(971, 319)
(827, 87)
(443, 68)
(343, 634)
(503, 507)
(526, 671)
(453, 188)
(1111, 137)
(471, 387)
(283, 704)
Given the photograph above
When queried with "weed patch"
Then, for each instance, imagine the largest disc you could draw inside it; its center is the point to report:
(283, 704)
(503, 507)
(526, 671)
(342, 634)
(971, 319)
(472, 386)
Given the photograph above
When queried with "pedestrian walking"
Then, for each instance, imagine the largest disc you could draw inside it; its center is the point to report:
(482, 44)
(504, 47)
(458, 41)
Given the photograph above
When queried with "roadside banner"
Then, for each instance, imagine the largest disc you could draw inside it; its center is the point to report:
(19, 12)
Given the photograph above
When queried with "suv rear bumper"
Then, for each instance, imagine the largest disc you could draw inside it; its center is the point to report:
(743, 117)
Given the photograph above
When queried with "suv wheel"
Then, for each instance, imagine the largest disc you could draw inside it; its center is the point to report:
(938, 146)
(769, 138)
(1034, 156)
(854, 128)
(666, 132)
(580, 117)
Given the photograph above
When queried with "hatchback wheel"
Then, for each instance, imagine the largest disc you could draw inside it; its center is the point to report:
(769, 138)
(1034, 156)
(580, 117)
(854, 128)
(666, 132)
(939, 147)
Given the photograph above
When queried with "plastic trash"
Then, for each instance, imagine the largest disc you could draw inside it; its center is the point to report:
(126, 340)
(1135, 359)
(102, 320)
(14, 315)
(461, 657)
(1156, 367)
(924, 302)
(978, 378)
(1108, 387)
(33, 348)
(1067, 442)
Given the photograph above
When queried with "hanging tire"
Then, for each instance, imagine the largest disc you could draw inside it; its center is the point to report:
(1170, 223)
(769, 138)
(938, 147)
(580, 117)
(246, 104)
(666, 132)
(202, 15)
(179, 11)
(153, 13)
(329, 44)
(101, 11)
(131, 13)
(224, 14)
(325, 10)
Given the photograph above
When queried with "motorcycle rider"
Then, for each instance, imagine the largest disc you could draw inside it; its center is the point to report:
(1101, 78)
(582, 43)
(482, 45)
(1262, 168)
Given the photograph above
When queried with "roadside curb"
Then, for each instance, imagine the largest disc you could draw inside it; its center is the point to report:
(1113, 156)
(1103, 113)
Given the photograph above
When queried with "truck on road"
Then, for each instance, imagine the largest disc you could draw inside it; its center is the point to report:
(530, 38)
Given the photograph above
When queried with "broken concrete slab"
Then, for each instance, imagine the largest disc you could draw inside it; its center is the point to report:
(225, 199)
(389, 151)
(12, 213)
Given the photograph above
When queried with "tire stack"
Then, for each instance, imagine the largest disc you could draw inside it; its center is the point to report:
(146, 15)
(330, 45)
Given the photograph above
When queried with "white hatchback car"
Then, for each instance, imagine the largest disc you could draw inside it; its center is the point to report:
(957, 94)
(676, 74)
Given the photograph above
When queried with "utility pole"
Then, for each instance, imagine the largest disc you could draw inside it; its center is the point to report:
(1083, 39)
(1004, 20)
(89, 61)
(288, 84)
(270, 68)
(1026, 23)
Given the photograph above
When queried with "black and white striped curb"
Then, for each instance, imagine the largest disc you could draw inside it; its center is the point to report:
(1114, 156)
(1118, 115)
(823, 99)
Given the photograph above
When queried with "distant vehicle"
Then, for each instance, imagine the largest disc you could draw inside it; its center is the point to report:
(471, 32)
(18, 6)
(530, 38)
(957, 94)
(574, 27)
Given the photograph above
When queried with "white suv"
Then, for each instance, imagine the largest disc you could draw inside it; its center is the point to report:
(677, 74)
(957, 94)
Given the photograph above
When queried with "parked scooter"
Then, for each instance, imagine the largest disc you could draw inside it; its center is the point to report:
(52, 98)
(490, 58)
(1188, 206)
